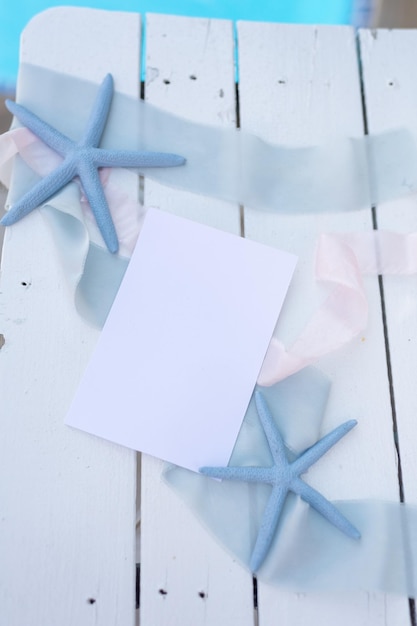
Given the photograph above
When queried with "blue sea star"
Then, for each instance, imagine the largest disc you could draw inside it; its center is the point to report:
(284, 477)
(82, 159)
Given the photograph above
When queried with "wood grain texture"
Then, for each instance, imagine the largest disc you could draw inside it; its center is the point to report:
(67, 499)
(390, 78)
(300, 85)
(187, 578)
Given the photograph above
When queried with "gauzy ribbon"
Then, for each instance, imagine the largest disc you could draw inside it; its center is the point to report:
(231, 161)
(341, 260)
(307, 553)
(346, 174)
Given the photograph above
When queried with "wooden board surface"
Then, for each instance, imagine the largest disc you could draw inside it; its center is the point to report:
(67, 499)
(390, 79)
(69, 509)
(192, 570)
(301, 85)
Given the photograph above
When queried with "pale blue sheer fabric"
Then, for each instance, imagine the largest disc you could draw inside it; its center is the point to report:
(345, 174)
(308, 553)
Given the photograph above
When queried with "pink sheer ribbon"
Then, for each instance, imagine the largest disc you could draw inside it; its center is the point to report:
(341, 260)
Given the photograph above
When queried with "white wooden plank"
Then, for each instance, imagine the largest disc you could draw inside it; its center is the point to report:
(390, 76)
(300, 85)
(186, 578)
(190, 72)
(67, 499)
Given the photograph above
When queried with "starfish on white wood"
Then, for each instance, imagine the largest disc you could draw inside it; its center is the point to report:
(82, 159)
(284, 476)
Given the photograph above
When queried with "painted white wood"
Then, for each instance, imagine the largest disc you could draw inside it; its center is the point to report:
(67, 499)
(180, 561)
(390, 76)
(67, 507)
(190, 72)
(300, 85)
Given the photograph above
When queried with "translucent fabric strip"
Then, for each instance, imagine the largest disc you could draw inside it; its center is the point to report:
(348, 173)
(307, 553)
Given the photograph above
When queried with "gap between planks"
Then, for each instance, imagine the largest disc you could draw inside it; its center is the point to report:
(411, 601)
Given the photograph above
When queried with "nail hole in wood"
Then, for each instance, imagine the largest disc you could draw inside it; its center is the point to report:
(163, 592)
(91, 600)
(391, 83)
(193, 77)
(24, 283)
(202, 594)
(221, 93)
(282, 82)
(166, 81)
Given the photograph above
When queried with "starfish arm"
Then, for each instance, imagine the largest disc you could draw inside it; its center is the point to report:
(324, 507)
(247, 474)
(40, 193)
(310, 456)
(99, 114)
(268, 527)
(133, 158)
(49, 135)
(93, 189)
(272, 433)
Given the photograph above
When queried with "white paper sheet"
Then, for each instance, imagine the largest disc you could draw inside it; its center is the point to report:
(179, 355)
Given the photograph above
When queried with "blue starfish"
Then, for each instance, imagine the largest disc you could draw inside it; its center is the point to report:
(284, 477)
(82, 159)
